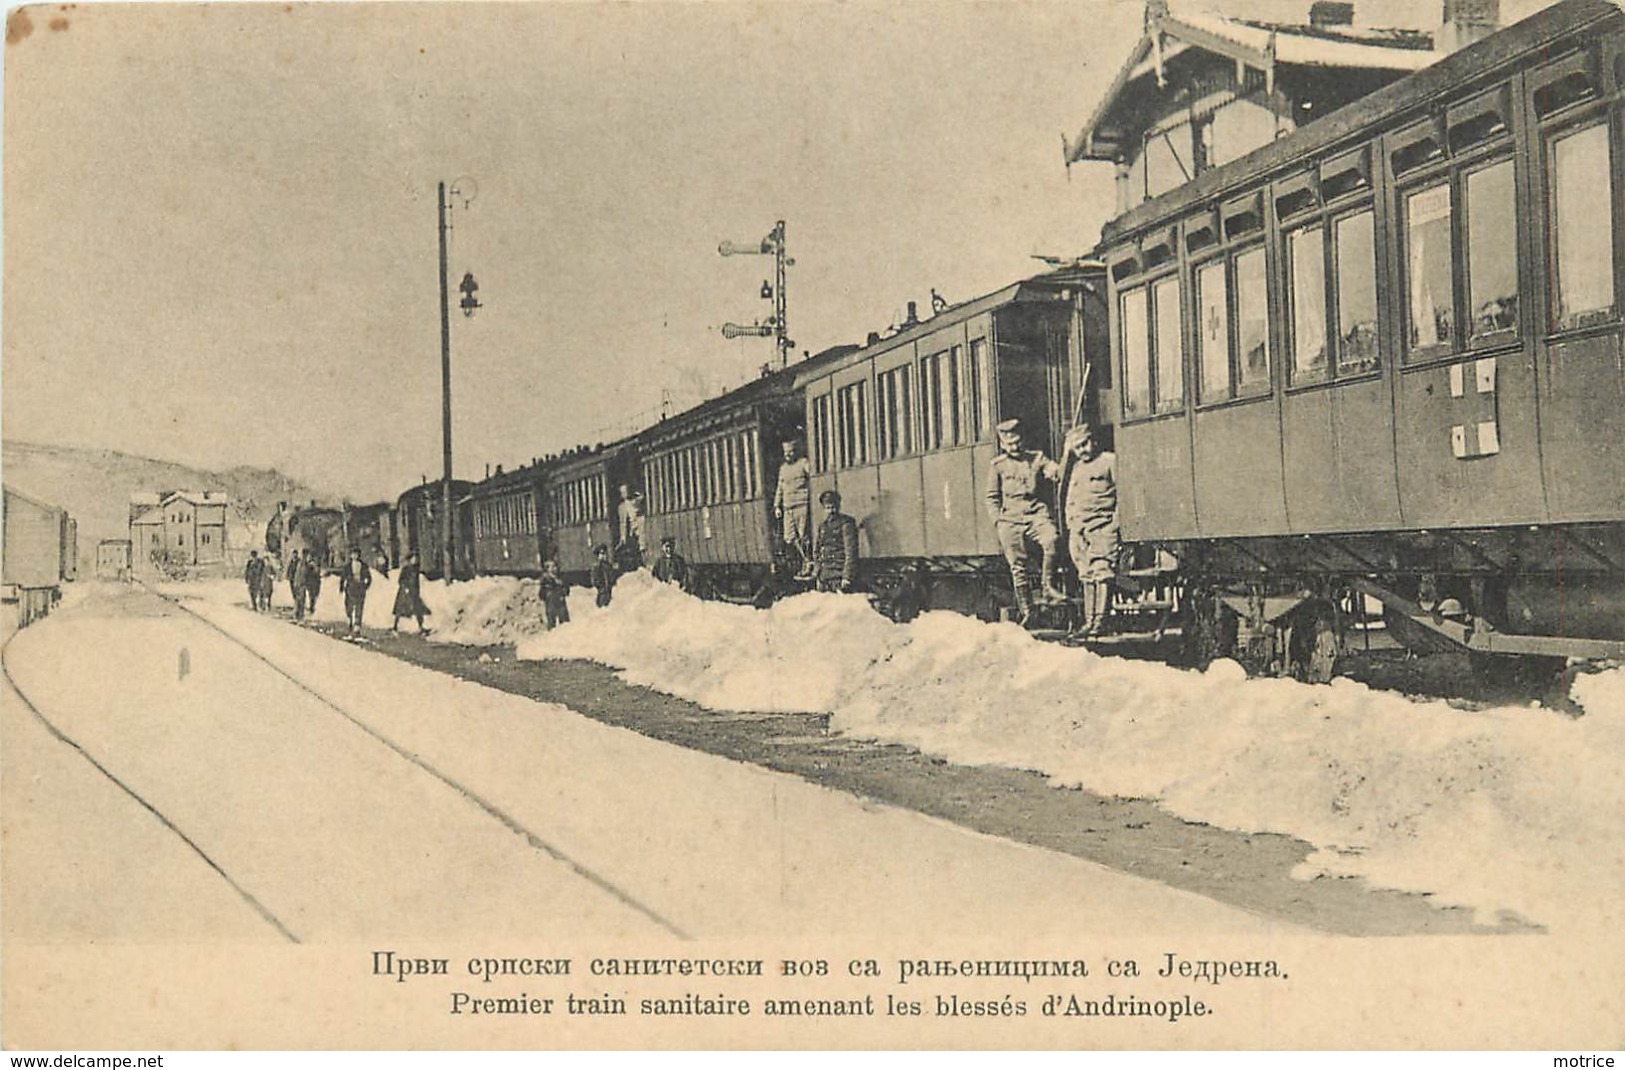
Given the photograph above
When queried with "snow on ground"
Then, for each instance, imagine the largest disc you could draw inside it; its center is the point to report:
(1500, 810)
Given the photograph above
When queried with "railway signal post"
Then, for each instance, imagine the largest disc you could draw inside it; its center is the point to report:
(776, 327)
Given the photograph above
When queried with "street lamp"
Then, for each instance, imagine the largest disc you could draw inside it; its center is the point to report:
(466, 189)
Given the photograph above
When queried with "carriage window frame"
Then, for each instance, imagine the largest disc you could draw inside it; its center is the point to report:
(1551, 134)
(821, 431)
(1472, 337)
(1158, 402)
(1340, 364)
(852, 424)
(1298, 374)
(894, 412)
(1441, 181)
(1214, 269)
(978, 379)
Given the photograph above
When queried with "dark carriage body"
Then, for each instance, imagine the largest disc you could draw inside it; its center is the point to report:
(708, 478)
(1387, 348)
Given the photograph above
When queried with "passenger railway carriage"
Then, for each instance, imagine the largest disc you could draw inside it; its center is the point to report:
(1382, 354)
(708, 477)
(904, 428)
(418, 514)
(582, 496)
(1355, 334)
(509, 535)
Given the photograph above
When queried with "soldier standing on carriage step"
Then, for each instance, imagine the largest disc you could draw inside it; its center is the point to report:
(792, 505)
(353, 582)
(1091, 522)
(1021, 515)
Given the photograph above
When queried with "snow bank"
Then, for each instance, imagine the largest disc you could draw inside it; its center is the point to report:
(1500, 810)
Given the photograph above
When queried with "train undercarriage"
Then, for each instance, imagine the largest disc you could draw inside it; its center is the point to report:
(1519, 602)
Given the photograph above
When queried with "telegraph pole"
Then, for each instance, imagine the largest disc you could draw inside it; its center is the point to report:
(777, 326)
(469, 304)
(445, 400)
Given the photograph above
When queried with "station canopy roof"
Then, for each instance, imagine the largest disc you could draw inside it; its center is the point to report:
(1266, 47)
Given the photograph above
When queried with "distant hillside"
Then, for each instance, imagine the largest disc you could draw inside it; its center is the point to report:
(95, 487)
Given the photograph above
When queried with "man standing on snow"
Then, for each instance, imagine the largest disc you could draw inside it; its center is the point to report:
(1021, 515)
(555, 594)
(409, 594)
(835, 551)
(353, 582)
(603, 575)
(671, 566)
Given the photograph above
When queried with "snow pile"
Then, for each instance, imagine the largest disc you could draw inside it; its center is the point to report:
(1502, 810)
(482, 612)
(805, 654)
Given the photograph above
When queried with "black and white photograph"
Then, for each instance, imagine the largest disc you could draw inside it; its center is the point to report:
(1071, 525)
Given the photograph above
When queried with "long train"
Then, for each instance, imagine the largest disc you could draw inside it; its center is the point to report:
(1380, 359)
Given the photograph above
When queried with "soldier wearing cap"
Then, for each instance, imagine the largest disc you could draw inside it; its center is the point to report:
(792, 505)
(1091, 521)
(671, 566)
(603, 575)
(835, 550)
(1016, 501)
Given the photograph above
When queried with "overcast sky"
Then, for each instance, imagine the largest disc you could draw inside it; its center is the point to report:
(220, 242)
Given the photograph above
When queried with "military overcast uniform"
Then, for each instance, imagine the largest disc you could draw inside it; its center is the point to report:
(1021, 515)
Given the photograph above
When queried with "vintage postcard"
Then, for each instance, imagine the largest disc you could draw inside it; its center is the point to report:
(1073, 524)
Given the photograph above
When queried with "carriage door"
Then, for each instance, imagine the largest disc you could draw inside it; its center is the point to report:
(1583, 368)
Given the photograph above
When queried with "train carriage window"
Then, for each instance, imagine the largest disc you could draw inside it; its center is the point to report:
(951, 406)
(1582, 203)
(895, 416)
(1306, 275)
(852, 425)
(978, 378)
(1252, 324)
(1136, 353)
(1213, 331)
(1492, 251)
(1355, 257)
(1168, 386)
(1430, 269)
(930, 404)
(820, 433)
(752, 452)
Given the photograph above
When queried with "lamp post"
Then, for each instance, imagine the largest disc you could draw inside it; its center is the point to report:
(469, 304)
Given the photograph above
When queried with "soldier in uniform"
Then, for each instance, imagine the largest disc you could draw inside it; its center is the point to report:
(253, 571)
(353, 583)
(313, 581)
(835, 551)
(792, 505)
(296, 583)
(603, 575)
(555, 594)
(1091, 521)
(629, 530)
(1021, 514)
(671, 566)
